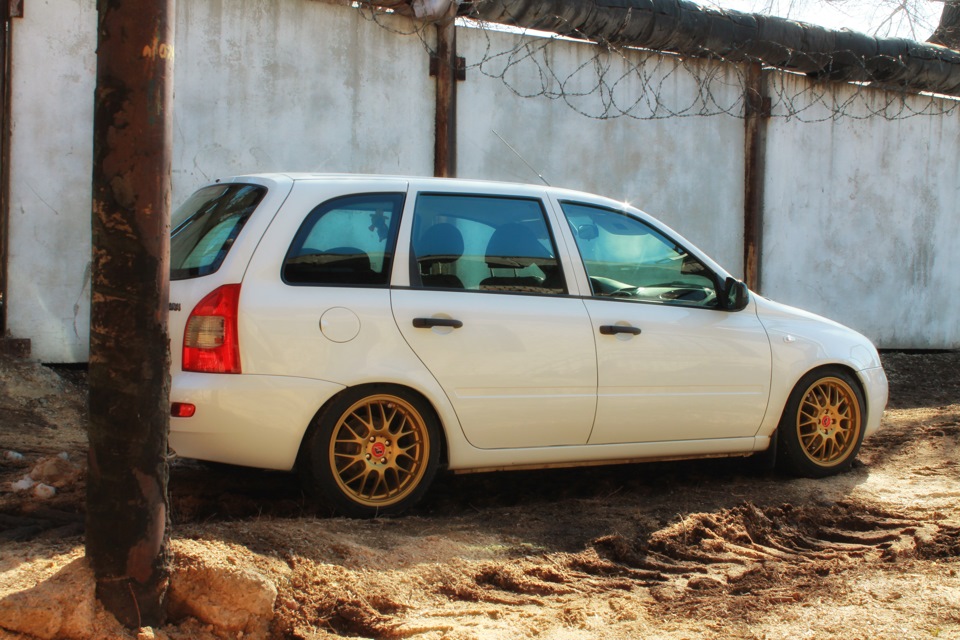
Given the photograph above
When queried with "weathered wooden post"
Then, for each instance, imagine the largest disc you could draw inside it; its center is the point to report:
(129, 343)
(445, 141)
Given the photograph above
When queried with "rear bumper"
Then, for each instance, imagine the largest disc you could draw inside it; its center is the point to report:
(249, 420)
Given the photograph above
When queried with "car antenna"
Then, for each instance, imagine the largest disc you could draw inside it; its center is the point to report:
(520, 156)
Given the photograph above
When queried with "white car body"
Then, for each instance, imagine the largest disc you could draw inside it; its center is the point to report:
(527, 381)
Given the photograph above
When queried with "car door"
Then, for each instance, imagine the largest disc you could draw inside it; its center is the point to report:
(488, 311)
(672, 364)
(315, 301)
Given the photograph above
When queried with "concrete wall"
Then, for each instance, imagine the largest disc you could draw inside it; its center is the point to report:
(860, 213)
(687, 171)
(862, 217)
(260, 86)
(297, 85)
(48, 281)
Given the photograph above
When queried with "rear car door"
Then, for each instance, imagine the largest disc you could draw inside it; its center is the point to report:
(316, 300)
(489, 312)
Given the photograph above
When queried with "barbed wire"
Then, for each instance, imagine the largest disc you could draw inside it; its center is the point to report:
(603, 81)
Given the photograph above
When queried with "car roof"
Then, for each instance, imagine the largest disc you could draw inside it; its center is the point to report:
(476, 186)
(429, 181)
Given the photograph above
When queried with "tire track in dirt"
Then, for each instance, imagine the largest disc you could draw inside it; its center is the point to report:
(773, 554)
(727, 551)
(732, 562)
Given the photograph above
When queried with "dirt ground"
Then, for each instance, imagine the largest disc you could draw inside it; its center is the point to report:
(706, 549)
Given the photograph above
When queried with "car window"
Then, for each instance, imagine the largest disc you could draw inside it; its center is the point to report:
(206, 225)
(346, 241)
(627, 258)
(483, 243)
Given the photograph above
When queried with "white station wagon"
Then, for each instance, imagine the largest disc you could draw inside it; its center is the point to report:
(369, 331)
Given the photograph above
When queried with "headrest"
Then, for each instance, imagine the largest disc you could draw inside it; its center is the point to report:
(514, 246)
(441, 243)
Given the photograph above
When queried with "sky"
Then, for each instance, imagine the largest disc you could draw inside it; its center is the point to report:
(914, 19)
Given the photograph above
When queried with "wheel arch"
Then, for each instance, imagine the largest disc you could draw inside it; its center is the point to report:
(780, 394)
(791, 454)
(825, 366)
(312, 426)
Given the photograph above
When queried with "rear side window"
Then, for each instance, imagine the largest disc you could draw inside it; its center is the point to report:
(484, 243)
(206, 225)
(346, 241)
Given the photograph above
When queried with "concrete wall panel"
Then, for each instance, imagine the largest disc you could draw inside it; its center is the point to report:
(260, 86)
(861, 219)
(687, 171)
(297, 86)
(48, 282)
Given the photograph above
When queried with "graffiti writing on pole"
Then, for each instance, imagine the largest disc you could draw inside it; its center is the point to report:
(156, 50)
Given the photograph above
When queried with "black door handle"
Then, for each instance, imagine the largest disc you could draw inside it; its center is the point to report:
(613, 329)
(428, 323)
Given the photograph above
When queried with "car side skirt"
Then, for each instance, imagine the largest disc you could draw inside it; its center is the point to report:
(594, 455)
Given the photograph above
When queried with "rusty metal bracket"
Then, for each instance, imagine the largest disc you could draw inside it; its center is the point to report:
(757, 110)
(758, 105)
(15, 9)
(460, 71)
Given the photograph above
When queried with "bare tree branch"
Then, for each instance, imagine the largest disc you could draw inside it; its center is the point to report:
(885, 18)
(948, 31)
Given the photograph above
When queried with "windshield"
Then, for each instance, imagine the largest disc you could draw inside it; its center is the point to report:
(206, 225)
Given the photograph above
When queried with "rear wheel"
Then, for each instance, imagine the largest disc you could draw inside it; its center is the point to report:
(373, 451)
(822, 425)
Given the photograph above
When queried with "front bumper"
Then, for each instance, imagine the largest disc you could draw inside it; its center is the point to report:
(875, 384)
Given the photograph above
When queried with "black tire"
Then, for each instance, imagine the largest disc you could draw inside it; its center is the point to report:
(822, 424)
(373, 451)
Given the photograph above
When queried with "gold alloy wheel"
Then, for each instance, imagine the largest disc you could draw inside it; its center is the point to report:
(379, 450)
(828, 421)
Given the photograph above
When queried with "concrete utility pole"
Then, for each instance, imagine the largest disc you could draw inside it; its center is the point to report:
(129, 354)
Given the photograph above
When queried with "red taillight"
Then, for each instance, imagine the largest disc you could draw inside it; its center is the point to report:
(182, 410)
(210, 341)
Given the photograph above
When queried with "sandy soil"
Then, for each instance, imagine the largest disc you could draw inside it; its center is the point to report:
(707, 549)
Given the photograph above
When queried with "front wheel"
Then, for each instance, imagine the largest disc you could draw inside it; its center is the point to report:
(373, 451)
(822, 425)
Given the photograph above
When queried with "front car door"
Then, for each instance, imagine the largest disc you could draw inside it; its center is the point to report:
(489, 312)
(673, 365)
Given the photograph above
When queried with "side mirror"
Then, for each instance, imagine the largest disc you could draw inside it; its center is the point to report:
(734, 296)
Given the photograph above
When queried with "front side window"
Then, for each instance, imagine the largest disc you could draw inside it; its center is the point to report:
(205, 227)
(483, 243)
(626, 258)
(346, 241)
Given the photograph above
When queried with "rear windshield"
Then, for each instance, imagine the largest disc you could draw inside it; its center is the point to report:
(206, 225)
